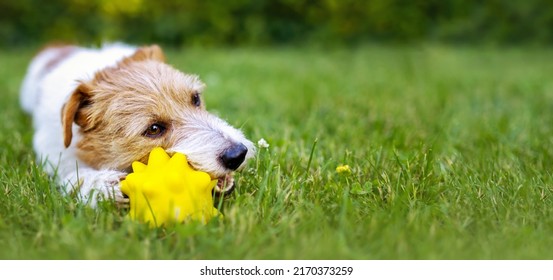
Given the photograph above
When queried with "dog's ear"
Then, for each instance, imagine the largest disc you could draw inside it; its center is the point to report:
(152, 52)
(70, 111)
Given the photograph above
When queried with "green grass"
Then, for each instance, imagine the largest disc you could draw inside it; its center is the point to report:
(450, 149)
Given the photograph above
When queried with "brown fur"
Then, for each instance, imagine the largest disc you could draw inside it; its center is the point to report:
(120, 103)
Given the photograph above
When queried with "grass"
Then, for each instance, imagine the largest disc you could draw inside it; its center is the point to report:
(450, 149)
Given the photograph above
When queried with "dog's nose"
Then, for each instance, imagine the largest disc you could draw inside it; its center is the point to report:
(234, 156)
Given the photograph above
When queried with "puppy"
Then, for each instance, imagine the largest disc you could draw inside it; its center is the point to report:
(95, 111)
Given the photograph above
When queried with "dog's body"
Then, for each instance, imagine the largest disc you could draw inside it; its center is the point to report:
(95, 111)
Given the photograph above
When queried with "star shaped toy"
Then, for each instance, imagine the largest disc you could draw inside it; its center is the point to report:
(167, 190)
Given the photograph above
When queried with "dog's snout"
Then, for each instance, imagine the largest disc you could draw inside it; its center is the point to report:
(233, 157)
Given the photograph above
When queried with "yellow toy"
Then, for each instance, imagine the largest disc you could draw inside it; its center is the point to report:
(168, 190)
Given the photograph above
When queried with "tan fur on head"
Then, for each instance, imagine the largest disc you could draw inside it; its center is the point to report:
(117, 106)
(152, 52)
(81, 96)
(68, 113)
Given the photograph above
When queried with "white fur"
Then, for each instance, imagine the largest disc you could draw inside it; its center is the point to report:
(203, 137)
(44, 94)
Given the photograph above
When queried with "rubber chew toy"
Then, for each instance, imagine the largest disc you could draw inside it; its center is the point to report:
(167, 191)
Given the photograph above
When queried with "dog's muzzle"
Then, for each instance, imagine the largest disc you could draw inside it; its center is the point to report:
(225, 185)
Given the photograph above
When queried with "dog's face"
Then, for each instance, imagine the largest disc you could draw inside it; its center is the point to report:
(142, 103)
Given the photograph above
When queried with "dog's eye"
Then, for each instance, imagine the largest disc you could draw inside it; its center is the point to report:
(196, 100)
(155, 130)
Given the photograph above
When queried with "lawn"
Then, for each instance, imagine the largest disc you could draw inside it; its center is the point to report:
(450, 152)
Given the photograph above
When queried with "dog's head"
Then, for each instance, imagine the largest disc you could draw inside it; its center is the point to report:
(141, 103)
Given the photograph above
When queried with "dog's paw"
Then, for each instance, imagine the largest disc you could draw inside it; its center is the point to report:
(96, 185)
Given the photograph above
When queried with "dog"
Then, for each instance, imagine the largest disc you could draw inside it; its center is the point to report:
(95, 111)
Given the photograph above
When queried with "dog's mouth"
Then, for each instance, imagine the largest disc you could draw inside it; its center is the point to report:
(225, 184)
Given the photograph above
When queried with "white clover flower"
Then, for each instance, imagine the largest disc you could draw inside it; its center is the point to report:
(262, 143)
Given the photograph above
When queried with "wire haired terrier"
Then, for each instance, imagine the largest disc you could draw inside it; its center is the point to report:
(95, 111)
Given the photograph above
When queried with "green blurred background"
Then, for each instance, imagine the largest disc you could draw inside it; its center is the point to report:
(279, 22)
